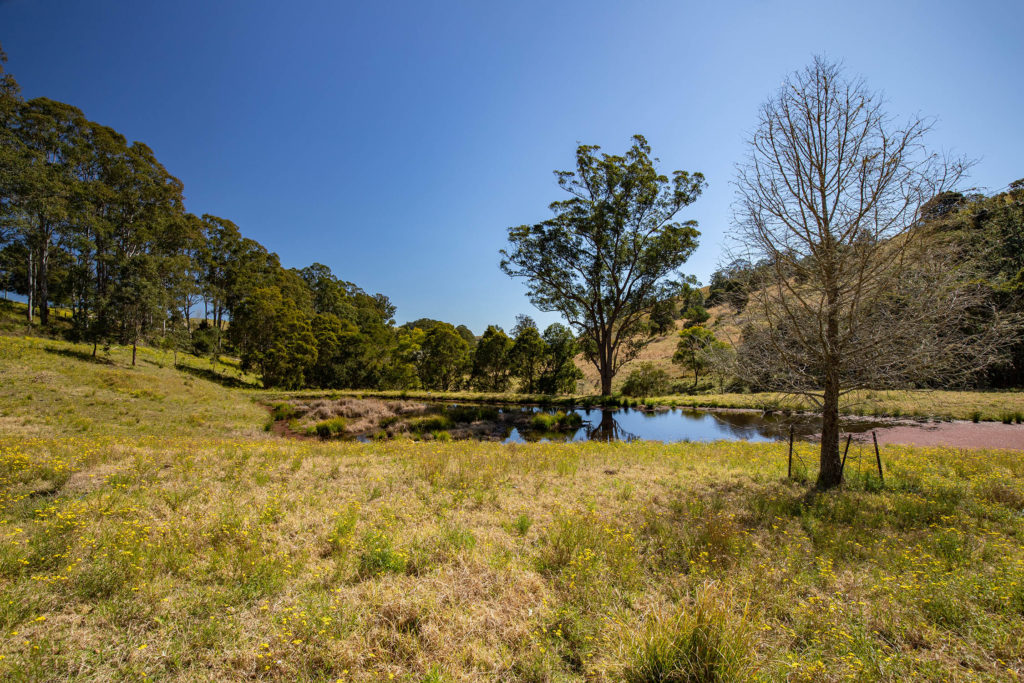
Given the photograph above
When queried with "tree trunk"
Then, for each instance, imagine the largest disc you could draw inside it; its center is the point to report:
(604, 368)
(43, 277)
(831, 472)
(134, 344)
(31, 284)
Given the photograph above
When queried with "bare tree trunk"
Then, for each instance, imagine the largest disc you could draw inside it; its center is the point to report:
(831, 472)
(31, 284)
(44, 283)
(135, 342)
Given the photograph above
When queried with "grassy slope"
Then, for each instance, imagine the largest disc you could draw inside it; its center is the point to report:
(142, 545)
(52, 387)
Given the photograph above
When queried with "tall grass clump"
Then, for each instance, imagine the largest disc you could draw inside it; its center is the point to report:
(559, 421)
(379, 556)
(330, 428)
(704, 642)
(283, 411)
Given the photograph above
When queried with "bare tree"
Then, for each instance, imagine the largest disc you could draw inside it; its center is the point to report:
(850, 290)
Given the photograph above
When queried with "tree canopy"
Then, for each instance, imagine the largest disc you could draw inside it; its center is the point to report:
(612, 251)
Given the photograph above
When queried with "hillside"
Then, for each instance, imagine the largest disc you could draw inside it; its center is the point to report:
(51, 387)
(659, 353)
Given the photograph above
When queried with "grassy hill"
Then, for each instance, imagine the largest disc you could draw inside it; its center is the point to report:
(150, 530)
(659, 353)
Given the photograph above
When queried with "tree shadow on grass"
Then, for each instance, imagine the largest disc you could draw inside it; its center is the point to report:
(214, 376)
(80, 355)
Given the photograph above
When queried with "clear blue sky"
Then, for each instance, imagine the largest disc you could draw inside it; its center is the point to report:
(396, 142)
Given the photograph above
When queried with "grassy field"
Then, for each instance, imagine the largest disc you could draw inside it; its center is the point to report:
(151, 530)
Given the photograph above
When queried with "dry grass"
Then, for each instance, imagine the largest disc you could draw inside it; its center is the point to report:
(181, 559)
(176, 553)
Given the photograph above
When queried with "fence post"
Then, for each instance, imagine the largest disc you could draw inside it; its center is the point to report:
(789, 471)
(878, 456)
(842, 467)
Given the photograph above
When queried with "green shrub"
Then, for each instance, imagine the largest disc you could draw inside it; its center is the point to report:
(429, 423)
(522, 524)
(552, 422)
(330, 428)
(646, 380)
(283, 411)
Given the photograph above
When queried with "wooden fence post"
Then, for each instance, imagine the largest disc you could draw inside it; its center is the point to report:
(842, 467)
(789, 471)
(878, 456)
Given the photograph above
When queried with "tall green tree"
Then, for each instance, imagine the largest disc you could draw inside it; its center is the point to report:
(559, 373)
(444, 358)
(526, 355)
(275, 337)
(51, 137)
(695, 348)
(612, 251)
(491, 361)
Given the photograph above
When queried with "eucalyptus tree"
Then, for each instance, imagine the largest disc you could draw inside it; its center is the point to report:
(50, 136)
(612, 251)
(491, 363)
(526, 355)
(146, 233)
(559, 373)
(11, 164)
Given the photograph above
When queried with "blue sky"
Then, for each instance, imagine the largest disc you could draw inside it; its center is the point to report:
(396, 142)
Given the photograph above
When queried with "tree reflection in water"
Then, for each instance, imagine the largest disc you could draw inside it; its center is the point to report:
(609, 429)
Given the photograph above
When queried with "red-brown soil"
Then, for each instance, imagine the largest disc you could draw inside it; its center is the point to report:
(957, 434)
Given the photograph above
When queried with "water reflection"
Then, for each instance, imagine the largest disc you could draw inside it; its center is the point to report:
(681, 424)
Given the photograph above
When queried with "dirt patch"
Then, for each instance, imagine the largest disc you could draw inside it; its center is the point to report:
(959, 434)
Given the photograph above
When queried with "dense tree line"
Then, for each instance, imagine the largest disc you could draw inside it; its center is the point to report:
(95, 225)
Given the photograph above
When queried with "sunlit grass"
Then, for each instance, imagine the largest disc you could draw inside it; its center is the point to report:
(304, 560)
(150, 530)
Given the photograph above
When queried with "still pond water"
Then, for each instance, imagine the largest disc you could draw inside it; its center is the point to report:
(680, 424)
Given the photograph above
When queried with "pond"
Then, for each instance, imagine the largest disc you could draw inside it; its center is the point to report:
(683, 424)
(370, 418)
